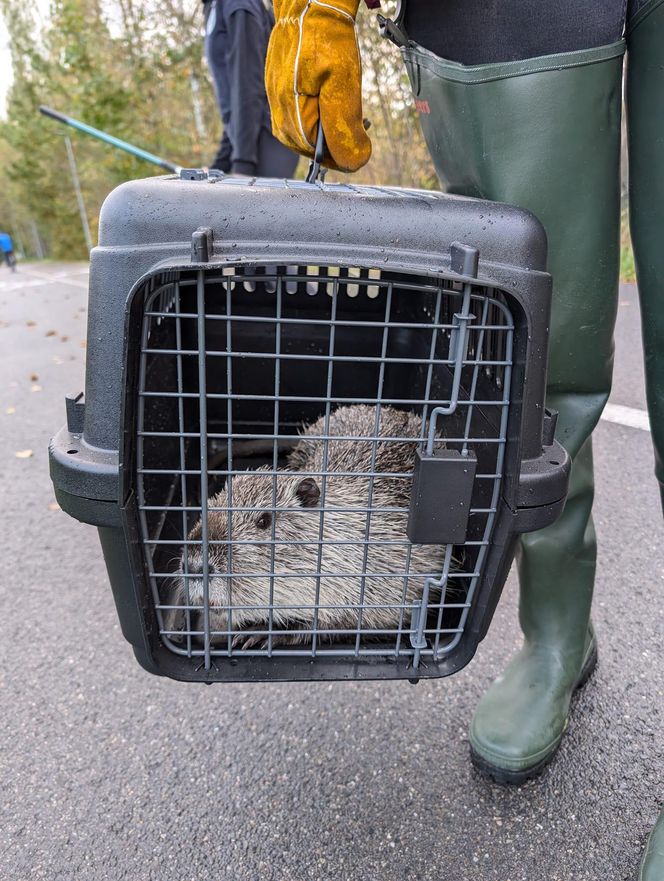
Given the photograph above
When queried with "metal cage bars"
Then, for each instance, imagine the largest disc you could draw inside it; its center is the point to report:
(485, 347)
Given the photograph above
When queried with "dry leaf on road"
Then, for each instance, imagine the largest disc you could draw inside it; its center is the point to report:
(51, 333)
(35, 388)
(10, 411)
(23, 454)
(34, 377)
(54, 507)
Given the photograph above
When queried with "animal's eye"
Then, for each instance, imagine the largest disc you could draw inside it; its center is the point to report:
(264, 521)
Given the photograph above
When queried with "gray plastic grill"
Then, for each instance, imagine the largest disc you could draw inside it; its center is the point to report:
(234, 361)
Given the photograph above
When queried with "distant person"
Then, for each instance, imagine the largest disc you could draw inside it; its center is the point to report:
(7, 248)
(237, 34)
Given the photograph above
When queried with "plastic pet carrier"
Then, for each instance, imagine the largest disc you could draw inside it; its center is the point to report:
(313, 424)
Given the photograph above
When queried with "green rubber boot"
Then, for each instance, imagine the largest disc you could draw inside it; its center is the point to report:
(652, 866)
(544, 134)
(645, 119)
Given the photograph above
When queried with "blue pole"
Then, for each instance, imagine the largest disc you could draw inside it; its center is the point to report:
(109, 139)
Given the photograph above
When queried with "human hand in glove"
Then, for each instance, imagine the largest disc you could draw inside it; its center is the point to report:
(313, 72)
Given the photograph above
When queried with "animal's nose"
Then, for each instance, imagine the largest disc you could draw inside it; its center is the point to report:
(195, 565)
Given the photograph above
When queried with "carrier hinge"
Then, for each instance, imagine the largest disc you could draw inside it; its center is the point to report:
(75, 404)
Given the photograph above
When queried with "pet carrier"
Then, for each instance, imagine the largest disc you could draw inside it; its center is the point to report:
(313, 424)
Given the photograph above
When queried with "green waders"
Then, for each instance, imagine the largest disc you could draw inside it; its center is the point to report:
(645, 117)
(544, 134)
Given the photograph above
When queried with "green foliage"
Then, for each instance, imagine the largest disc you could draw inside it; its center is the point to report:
(400, 156)
(135, 69)
(125, 67)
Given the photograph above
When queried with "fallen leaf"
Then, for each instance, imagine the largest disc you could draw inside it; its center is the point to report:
(51, 333)
(30, 323)
(63, 339)
(84, 344)
(10, 411)
(23, 454)
(35, 388)
(34, 377)
(54, 507)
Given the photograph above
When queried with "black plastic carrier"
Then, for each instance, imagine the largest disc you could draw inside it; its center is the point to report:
(313, 424)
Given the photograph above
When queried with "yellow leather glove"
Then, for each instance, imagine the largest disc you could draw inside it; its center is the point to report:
(313, 71)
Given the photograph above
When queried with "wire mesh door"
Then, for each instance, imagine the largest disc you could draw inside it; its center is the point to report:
(279, 412)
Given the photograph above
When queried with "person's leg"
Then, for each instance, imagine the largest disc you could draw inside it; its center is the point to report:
(222, 161)
(215, 57)
(542, 133)
(274, 159)
(645, 124)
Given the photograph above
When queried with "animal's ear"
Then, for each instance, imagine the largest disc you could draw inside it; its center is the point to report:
(308, 493)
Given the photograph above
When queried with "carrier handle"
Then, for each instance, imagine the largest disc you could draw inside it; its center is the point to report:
(316, 170)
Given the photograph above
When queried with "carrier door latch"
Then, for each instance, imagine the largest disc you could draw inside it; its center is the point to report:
(440, 497)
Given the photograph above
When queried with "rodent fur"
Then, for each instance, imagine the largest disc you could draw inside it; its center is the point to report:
(296, 518)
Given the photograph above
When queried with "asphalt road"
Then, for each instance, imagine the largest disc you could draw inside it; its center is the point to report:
(109, 773)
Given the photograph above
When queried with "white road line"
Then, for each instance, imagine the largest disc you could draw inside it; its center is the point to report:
(65, 277)
(628, 416)
(30, 279)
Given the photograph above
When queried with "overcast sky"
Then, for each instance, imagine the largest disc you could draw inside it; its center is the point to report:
(42, 7)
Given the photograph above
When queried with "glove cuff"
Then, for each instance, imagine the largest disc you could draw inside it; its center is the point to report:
(289, 12)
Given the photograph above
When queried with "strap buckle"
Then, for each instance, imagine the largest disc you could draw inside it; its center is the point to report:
(392, 31)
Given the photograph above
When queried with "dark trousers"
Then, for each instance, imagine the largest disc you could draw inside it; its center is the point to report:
(484, 31)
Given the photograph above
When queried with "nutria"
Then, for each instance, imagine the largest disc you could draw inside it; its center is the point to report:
(286, 508)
